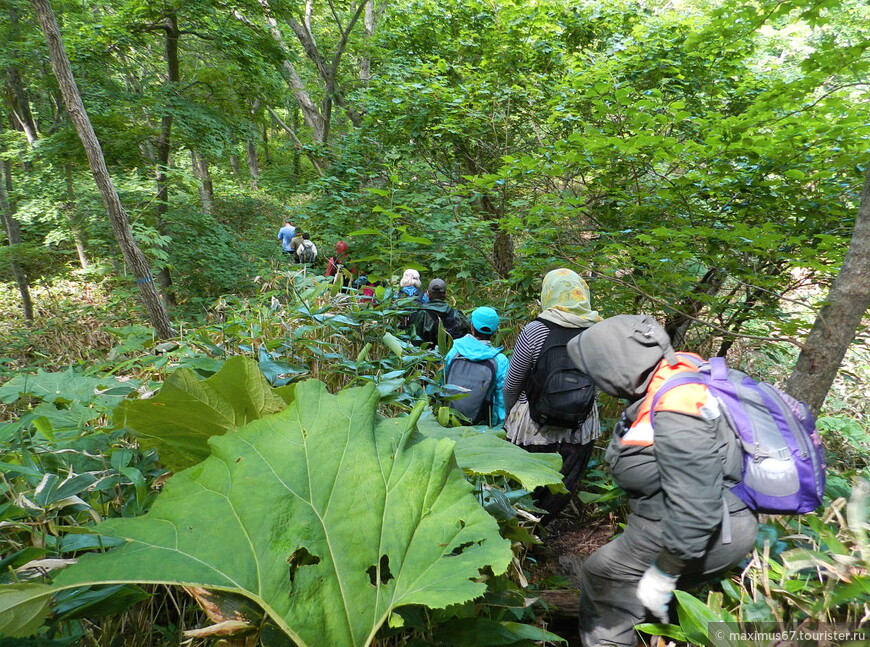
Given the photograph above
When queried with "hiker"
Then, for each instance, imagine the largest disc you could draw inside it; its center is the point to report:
(424, 321)
(366, 289)
(685, 525)
(285, 236)
(476, 367)
(566, 420)
(306, 252)
(410, 284)
(337, 261)
(295, 242)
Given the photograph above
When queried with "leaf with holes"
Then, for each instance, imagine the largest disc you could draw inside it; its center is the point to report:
(326, 515)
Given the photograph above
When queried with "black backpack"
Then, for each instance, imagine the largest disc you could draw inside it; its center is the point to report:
(559, 393)
(477, 379)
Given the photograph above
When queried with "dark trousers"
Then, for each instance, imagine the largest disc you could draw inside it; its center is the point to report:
(609, 607)
(575, 459)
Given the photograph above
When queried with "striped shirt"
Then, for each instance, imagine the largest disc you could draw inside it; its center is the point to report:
(522, 363)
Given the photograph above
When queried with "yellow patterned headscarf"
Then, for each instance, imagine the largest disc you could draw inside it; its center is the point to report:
(565, 300)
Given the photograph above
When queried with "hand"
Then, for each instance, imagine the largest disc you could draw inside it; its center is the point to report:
(655, 591)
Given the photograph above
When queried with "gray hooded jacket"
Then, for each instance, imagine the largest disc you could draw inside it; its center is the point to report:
(682, 478)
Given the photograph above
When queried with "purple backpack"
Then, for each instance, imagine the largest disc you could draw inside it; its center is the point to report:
(783, 457)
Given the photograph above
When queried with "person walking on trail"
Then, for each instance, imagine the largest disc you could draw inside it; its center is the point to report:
(564, 420)
(295, 242)
(306, 252)
(410, 284)
(337, 261)
(285, 237)
(425, 320)
(685, 525)
(475, 367)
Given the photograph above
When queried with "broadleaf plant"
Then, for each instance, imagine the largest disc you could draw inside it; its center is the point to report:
(326, 515)
(486, 453)
(189, 410)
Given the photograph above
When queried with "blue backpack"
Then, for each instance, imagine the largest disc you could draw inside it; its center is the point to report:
(783, 457)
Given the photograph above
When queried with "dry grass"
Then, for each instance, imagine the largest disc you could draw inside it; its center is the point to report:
(70, 323)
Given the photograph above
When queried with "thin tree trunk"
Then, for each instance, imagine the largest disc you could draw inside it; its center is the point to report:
(310, 111)
(267, 154)
(253, 164)
(164, 149)
(503, 253)
(133, 256)
(297, 151)
(234, 165)
(19, 104)
(297, 144)
(203, 186)
(835, 326)
(13, 232)
(677, 325)
(72, 217)
(365, 63)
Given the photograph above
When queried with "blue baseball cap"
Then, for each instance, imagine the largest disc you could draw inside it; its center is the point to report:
(485, 320)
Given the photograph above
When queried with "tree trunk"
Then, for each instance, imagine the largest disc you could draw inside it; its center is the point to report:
(297, 145)
(835, 326)
(203, 186)
(164, 148)
(297, 156)
(677, 325)
(234, 165)
(503, 253)
(13, 231)
(253, 164)
(19, 104)
(133, 256)
(310, 111)
(365, 63)
(73, 218)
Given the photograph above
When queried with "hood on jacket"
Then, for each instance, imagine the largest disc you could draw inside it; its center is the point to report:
(474, 348)
(437, 305)
(622, 353)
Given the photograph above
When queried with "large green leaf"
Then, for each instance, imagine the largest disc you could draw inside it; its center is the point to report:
(483, 632)
(188, 410)
(488, 454)
(23, 607)
(324, 514)
(51, 387)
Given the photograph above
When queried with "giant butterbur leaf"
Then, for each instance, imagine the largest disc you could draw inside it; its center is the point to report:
(188, 410)
(324, 514)
(486, 453)
(23, 608)
(67, 386)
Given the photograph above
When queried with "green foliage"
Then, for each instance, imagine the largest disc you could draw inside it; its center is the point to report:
(693, 158)
(347, 522)
(187, 412)
(484, 453)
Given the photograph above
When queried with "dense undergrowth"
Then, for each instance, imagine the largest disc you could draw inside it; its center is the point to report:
(95, 411)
